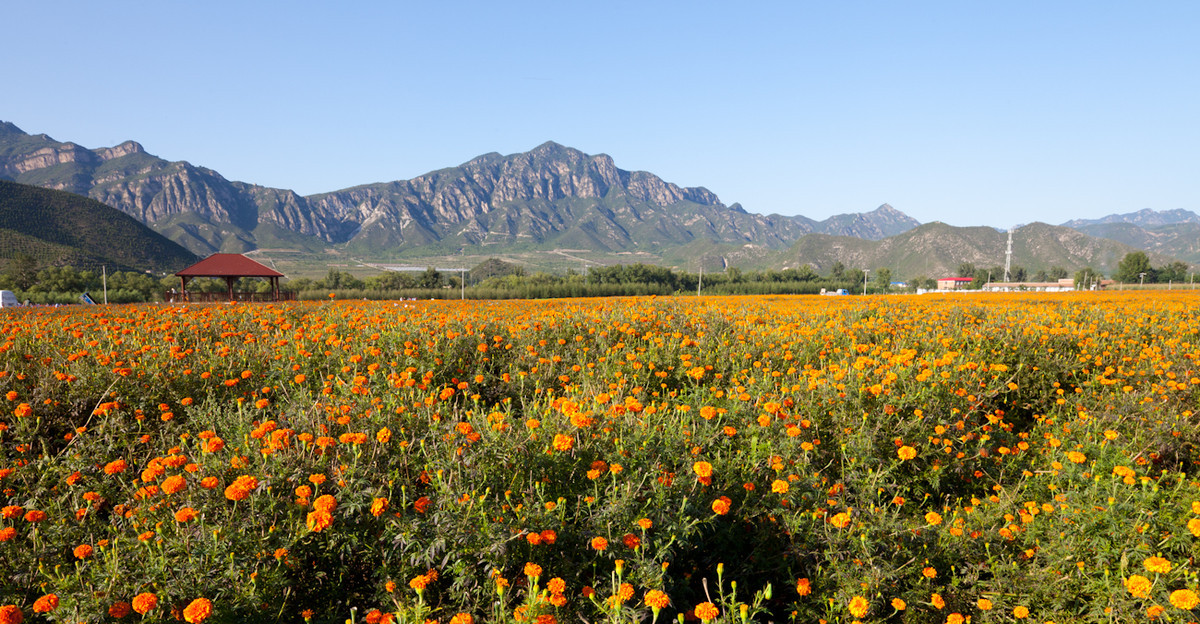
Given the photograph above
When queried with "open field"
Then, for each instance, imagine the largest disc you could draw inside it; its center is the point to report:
(1007, 457)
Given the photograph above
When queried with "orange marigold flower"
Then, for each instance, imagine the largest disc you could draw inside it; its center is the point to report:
(45, 604)
(899, 604)
(702, 469)
(984, 604)
(706, 611)
(1020, 612)
(556, 585)
(533, 570)
(7, 533)
(906, 452)
(721, 505)
(937, 601)
(421, 505)
(379, 506)
(35, 515)
(374, 616)
(656, 599)
(1076, 457)
(599, 543)
(631, 541)
(144, 602)
(319, 521)
(1157, 565)
(462, 618)
(779, 486)
(858, 606)
(840, 520)
(804, 587)
(115, 466)
(11, 614)
(209, 483)
(1193, 526)
(325, 503)
(563, 442)
(1138, 586)
(11, 511)
(419, 582)
(197, 611)
(173, 484)
(1184, 599)
(549, 537)
(83, 551)
(645, 523)
(119, 609)
(185, 514)
(933, 518)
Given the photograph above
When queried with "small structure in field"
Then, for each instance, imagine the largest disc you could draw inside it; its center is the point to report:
(230, 267)
(953, 283)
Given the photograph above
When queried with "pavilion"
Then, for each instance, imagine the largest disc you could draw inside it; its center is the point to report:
(230, 267)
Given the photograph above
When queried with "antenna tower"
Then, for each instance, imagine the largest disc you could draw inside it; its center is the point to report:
(1008, 256)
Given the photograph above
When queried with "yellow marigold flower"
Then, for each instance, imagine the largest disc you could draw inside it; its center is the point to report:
(858, 606)
(933, 518)
(706, 611)
(906, 453)
(702, 469)
(563, 442)
(1185, 599)
(984, 604)
(1020, 613)
(779, 486)
(840, 520)
(1157, 565)
(1076, 457)
(1138, 586)
(1154, 611)
(957, 618)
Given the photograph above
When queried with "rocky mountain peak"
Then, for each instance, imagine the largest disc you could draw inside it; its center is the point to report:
(9, 128)
(124, 149)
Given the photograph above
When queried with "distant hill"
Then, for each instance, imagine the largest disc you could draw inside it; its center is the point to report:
(1178, 240)
(58, 228)
(1145, 218)
(937, 250)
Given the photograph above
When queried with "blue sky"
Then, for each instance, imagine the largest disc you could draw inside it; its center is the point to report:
(971, 113)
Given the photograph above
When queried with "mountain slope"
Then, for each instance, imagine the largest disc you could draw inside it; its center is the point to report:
(58, 228)
(550, 197)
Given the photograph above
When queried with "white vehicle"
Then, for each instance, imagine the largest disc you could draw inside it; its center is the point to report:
(8, 299)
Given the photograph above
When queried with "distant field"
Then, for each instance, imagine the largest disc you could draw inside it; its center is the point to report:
(1003, 457)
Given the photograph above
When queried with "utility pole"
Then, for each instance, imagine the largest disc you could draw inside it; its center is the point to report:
(104, 280)
(700, 280)
(463, 283)
(1007, 258)
(865, 271)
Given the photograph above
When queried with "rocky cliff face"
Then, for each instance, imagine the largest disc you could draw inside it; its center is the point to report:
(551, 196)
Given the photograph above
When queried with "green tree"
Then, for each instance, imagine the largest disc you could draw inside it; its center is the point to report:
(966, 269)
(1133, 267)
(1174, 272)
(883, 278)
(22, 271)
(1057, 273)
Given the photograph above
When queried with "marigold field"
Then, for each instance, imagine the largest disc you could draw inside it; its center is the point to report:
(991, 458)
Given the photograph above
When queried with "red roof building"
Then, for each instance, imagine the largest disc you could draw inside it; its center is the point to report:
(230, 267)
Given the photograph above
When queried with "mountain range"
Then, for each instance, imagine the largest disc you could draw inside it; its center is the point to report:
(549, 198)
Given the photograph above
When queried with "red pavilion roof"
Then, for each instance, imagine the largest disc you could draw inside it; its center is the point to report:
(228, 265)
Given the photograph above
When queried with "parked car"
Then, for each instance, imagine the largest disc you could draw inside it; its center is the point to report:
(8, 299)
